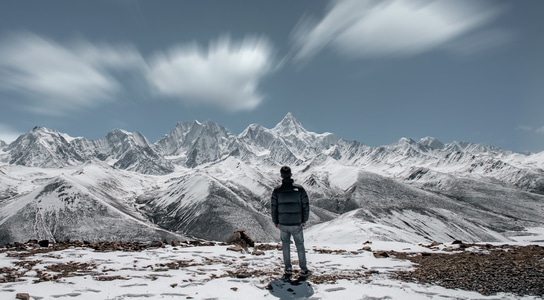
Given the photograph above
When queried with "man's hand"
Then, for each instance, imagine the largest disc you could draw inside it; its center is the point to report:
(303, 224)
(277, 225)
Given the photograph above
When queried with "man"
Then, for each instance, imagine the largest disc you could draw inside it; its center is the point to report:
(290, 211)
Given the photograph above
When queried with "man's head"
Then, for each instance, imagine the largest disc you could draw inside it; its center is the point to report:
(285, 172)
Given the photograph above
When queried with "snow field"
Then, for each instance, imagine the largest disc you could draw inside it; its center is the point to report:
(213, 272)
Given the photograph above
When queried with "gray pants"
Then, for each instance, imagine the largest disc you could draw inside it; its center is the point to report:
(298, 236)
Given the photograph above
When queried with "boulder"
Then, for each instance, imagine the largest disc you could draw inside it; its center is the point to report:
(240, 238)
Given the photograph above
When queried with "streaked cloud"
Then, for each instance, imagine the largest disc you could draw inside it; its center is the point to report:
(539, 130)
(356, 28)
(226, 74)
(58, 78)
(524, 128)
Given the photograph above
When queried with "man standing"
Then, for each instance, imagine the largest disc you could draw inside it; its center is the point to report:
(290, 211)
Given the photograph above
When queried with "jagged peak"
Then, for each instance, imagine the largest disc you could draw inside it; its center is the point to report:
(188, 124)
(44, 134)
(254, 126)
(289, 119)
(468, 146)
(250, 129)
(118, 131)
(197, 124)
(431, 142)
(289, 125)
(406, 140)
(126, 134)
(43, 130)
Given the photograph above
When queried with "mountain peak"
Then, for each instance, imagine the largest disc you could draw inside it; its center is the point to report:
(42, 130)
(289, 125)
(431, 143)
(406, 140)
(43, 147)
(121, 132)
(122, 136)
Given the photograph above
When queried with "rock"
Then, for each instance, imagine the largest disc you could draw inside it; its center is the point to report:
(266, 247)
(235, 248)
(200, 243)
(43, 243)
(517, 270)
(22, 296)
(381, 254)
(243, 275)
(257, 252)
(463, 246)
(156, 244)
(240, 238)
(366, 248)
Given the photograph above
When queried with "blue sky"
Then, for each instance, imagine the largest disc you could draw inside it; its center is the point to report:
(371, 71)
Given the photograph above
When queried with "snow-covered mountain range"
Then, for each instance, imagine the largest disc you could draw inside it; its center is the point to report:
(201, 180)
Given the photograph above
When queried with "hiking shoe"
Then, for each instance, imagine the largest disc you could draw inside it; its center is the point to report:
(305, 273)
(286, 277)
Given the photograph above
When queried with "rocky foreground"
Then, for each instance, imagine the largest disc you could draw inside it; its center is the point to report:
(486, 269)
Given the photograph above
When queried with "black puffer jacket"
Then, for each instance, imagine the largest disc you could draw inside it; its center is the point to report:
(290, 204)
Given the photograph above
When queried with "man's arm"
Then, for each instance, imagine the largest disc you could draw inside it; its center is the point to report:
(274, 208)
(305, 202)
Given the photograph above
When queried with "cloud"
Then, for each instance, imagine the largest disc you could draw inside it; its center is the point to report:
(524, 128)
(358, 28)
(539, 130)
(226, 75)
(8, 134)
(61, 78)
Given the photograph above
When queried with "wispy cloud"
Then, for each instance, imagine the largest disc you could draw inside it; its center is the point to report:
(357, 28)
(539, 130)
(60, 78)
(524, 128)
(226, 75)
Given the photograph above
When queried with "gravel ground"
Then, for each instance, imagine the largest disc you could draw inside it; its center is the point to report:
(486, 269)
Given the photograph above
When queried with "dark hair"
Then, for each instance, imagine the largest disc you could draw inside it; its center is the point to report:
(285, 172)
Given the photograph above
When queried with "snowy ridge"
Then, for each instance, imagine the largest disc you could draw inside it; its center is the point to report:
(83, 202)
(201, 180)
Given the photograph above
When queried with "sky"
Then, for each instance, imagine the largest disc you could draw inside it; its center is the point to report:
(369, 71)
